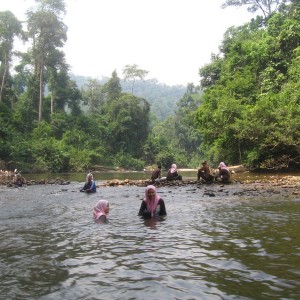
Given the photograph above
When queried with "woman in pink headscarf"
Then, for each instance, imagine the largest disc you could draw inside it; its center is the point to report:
(152, 204)
(224, 173)
(101, 211)
(173, 174)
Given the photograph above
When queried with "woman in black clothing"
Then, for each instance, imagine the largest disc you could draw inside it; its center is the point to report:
(224, 173)
(173, 174)
(152, 204)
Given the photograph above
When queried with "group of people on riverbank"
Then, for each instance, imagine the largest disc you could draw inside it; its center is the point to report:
(205, 173)
(172, 174)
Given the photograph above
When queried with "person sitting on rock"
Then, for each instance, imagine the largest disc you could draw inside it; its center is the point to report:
(19, 180)
(90, 184)
(224, 173)
(173, 173)
(205, 173)
(156, 175)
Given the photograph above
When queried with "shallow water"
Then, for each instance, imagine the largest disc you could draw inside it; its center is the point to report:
(206, 248)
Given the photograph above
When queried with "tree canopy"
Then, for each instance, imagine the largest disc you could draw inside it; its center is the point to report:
(250, 109)
(245, 111)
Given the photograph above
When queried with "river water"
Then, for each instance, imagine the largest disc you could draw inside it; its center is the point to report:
(228, 247)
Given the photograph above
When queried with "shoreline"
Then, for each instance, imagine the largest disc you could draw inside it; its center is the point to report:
(287, 187)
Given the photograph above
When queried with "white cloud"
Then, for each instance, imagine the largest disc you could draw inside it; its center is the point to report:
(171, 39)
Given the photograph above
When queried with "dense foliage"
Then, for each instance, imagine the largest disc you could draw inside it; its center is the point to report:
(250, 111)
(246, 111)
(161, 97)
(49, 124)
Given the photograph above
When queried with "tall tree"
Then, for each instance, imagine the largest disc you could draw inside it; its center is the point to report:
(128, 122)
(132, 72)
(113, 87)
(48, 33)
(57, 76)
(93, 96)
(10, 27)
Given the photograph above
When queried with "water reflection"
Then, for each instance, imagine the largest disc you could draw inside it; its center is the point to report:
(206, 248)
(150, 222)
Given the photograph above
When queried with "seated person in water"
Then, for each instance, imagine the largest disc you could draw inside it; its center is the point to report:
(173, 173)
(224, 173)
(101, 211)
(152, 205)
(205, 173)
(19, 180)
(90, 184)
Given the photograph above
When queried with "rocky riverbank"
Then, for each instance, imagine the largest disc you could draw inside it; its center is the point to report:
(59, 181)
(283, 186)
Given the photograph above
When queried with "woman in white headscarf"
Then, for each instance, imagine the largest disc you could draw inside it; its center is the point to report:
(90, 184)
(224, 173)
(173, 174)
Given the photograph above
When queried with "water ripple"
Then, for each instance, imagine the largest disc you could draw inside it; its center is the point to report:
(227, 248)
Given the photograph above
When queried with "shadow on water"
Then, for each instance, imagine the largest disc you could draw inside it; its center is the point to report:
(220, 247)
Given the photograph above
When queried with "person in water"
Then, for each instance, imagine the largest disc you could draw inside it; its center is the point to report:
(101, 211)
(224, 173)
(205, 173)
(152, 205)
(90, 184)
(173, 173)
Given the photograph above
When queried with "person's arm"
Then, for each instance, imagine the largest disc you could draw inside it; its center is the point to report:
(93, 187)
(162, 211)
(84, 188)
(142, 208)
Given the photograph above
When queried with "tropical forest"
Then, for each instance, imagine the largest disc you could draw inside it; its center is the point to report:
(245, 110)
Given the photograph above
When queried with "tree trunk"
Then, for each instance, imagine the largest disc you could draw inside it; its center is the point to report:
(52, 103)
(3, 78)
(41, 94)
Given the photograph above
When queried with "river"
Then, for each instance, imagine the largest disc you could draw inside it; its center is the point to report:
(222, 247)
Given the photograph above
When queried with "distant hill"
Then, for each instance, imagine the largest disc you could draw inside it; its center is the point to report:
(162, 97)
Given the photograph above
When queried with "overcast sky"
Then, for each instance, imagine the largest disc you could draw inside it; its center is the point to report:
(171, 39)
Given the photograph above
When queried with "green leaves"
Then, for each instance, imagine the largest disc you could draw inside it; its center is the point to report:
(132, 72)
(128, 125)
(250, 114)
